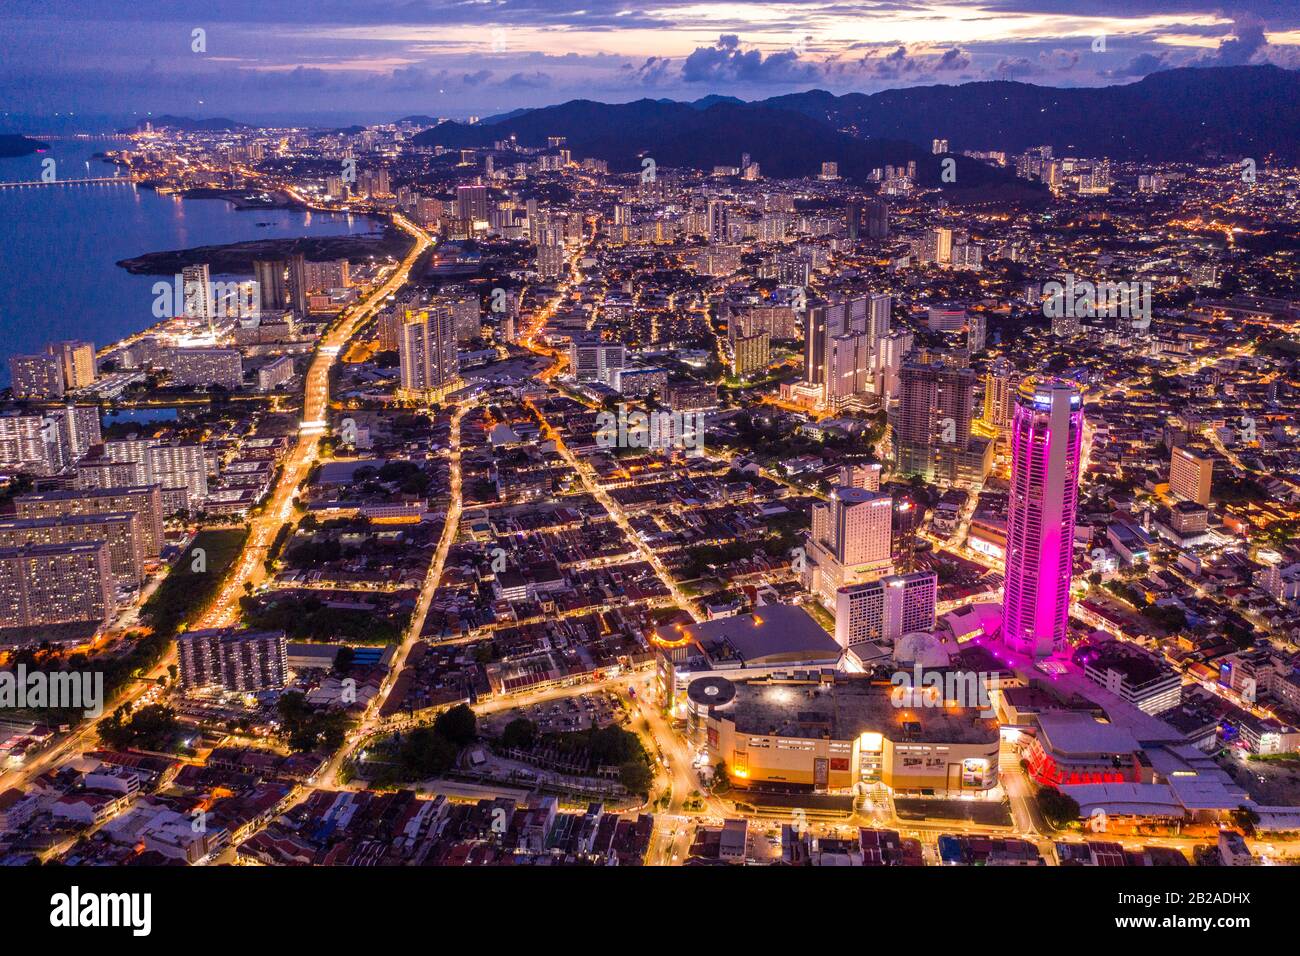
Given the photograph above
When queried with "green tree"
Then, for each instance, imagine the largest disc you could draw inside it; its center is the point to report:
(519, 734)
(1058, 809)
(458, 725)
(636, 776)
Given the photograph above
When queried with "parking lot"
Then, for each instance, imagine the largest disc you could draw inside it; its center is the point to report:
(580, 712)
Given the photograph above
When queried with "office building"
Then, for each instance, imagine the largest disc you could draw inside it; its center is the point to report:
(1046, 438)
(882, 611)
(592, 360)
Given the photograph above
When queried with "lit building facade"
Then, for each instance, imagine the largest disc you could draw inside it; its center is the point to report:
(1046, 442)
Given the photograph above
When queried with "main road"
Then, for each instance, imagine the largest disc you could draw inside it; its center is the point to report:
(249, 569)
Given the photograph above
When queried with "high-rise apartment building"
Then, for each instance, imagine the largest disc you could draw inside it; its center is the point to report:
(31, 444)
(865, 475)
(1190, 475)
(77, 360)
(204, 367)
(37, 377)
(272, 294)
(751, 353)
(50, 584)
(718, 225)
(237, 661)
(1046, 440)
(144, 500)
(472, 202)
(196, 286)
(120, 531)
(298, 285)
(427, 352)
(932, 422)
(1000, 382)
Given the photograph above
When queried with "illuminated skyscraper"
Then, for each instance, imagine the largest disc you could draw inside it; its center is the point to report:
(426, 351)
(1046, 437)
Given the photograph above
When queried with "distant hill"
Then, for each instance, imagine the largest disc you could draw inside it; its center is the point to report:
(214, 124)
(1178, 115)
(786, 144)
(12, 144)
(1188, 114)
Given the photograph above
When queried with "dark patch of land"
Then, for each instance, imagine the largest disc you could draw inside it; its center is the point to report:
(243, 198)
(12, 144)
(237, 257)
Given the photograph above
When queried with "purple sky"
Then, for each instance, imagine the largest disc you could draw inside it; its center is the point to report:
(380, 59)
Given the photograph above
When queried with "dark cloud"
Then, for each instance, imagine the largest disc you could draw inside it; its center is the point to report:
(1238, 48)
(1143, 64)
(535, 80)
(954, 59)
(727, 62)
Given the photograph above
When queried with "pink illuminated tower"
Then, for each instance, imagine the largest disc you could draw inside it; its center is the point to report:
(1046, 437)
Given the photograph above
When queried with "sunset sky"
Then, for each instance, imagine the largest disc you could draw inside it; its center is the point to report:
(380, 59)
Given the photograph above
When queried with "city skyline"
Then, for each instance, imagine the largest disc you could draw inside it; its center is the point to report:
(690, 468)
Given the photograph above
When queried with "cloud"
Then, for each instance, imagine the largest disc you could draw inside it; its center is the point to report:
(954, 59)
(650, 73)
(727, 62)
(1144, 63)
(536, 80)
(1238, 48)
